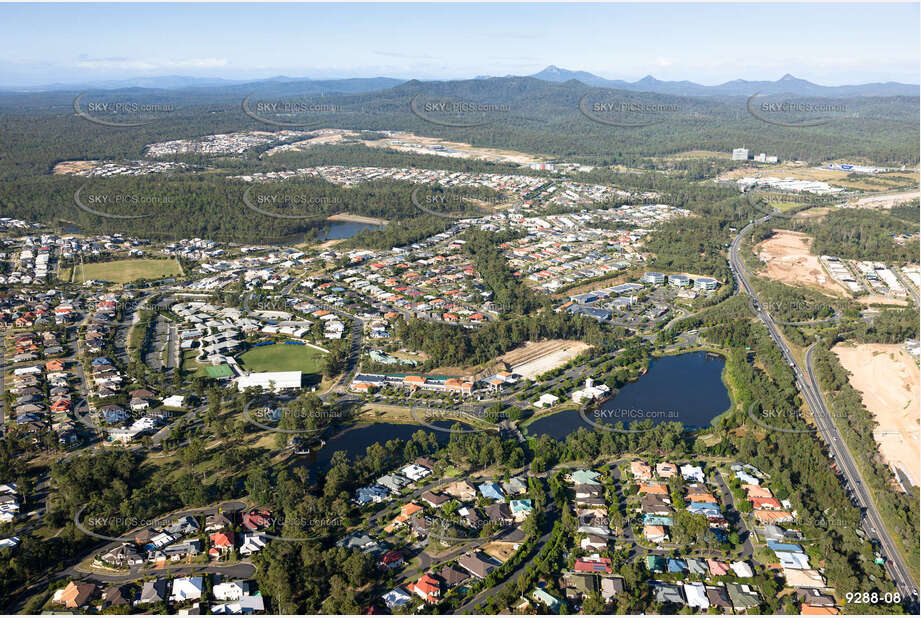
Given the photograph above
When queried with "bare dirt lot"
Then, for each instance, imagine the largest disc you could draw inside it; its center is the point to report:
(875, 299)
(888, 201)
(787, 259)
(888, 378)
(72, 167)
(418, 144)
(533, 359)
(887, 181)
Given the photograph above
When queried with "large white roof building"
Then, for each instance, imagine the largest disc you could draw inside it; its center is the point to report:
(270, 380)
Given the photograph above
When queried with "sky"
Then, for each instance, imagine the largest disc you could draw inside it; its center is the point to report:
(830, 44)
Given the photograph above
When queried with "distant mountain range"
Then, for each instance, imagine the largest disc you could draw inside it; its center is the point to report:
(787, 84)
(178, 82)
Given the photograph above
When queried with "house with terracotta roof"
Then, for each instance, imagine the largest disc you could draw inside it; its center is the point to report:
(717, 568)
(640, 470)
(812, 610)
(772, 517)
(222, 543)
(660, 489)
(757, 491)
(666, 470)
(75, 595)
(428, 588)
(406, 513)
(656, 534)
(771, 504)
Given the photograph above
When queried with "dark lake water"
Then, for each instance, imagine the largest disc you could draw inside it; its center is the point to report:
(347, 229)
(686, 388)
(355, 441)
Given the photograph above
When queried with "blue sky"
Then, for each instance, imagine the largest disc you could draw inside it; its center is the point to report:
(708, 43)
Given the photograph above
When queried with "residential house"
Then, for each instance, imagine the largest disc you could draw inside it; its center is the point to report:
(153, 591)
(186, 589)
(542, 596)
(462, 490)
(222, 543)
(743, 596)
(433, 499)
(252, 543)
(230, 591)
(477, 564)
(428, 588)
(452, 576)
(117, 596)
(75, 595)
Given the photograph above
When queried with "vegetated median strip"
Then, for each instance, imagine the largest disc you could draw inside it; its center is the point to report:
(867, 468)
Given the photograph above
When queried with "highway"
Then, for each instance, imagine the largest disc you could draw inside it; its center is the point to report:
(809, 388)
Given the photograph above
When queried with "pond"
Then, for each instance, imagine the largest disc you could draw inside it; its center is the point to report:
(346, 229)
(687, 388)
(356, 440)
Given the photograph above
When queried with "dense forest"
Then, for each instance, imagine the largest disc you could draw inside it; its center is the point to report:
(860, 234)
(454, 345)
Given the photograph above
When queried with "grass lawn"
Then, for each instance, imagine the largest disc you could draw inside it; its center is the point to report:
(281, 357)
(125, 271)
(784, 206)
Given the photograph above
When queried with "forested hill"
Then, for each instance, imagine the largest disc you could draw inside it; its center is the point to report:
(526, 114)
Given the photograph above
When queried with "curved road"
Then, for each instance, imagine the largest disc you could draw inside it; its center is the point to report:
(809, 388)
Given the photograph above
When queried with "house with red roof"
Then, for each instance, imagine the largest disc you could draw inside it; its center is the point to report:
(593, 564)
(428, 588)
(391, 560)
(256, 519)
(222, 543)
(770, 504)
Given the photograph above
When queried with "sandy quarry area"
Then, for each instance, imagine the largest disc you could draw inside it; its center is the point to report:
(419, 144)
(888, 201)
(72, 167)
(533, 359)
(787, 259)
(888, 378)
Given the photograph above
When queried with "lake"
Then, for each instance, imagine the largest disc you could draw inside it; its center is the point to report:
(356, 440)
(687, 388)
(346, 229)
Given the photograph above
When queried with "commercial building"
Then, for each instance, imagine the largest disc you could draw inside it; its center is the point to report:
(740, 154)
(270, 380)
(679, 281)
(654, 278)
(705, 283)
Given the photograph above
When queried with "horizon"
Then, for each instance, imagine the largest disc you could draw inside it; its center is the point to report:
(704, 44)
(233, 81)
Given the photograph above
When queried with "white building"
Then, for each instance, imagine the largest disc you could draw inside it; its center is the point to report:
(705, 283)
(740, 154)
(186, 588)
(270, 380)
(230, 591)
(546, 400)
(590, 392)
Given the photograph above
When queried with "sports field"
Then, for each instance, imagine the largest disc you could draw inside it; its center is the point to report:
(282, 357)
(126, 271)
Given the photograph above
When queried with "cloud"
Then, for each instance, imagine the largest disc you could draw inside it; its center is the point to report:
(131, 64)
(406, 56)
